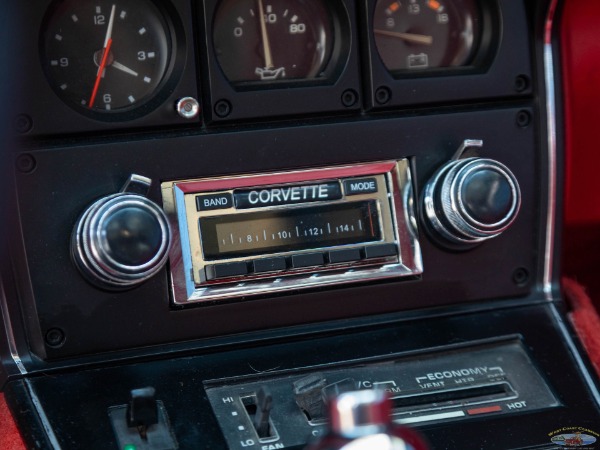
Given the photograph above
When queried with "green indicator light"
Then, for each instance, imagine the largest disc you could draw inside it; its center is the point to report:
(129, 447)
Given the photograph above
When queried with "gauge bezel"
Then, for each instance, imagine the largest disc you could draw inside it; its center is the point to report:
(287, 97)
(497, 62)
(176, 46)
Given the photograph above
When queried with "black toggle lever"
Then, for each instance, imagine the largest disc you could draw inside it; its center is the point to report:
(142, 410)
(264, 404)
(308, 393)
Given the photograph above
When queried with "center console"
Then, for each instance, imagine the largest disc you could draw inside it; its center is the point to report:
(226, 213)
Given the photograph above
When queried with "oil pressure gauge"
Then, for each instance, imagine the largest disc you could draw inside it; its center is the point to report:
(417, 35)
(266, 41)
(105, 57)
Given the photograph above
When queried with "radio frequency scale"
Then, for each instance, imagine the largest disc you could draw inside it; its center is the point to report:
(256, 234)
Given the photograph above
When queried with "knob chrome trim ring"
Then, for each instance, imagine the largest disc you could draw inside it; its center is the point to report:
(90, 248)
(445, 208)
(431, 214)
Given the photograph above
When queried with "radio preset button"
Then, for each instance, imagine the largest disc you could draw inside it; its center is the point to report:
(270, 264)
(308, 260)
(209, 202)
(226, 270)
(357, 186)
(345, 255)
(380, 251)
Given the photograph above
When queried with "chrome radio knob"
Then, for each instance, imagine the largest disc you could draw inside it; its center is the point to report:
(123, 239)
(472, 199)
(360, 413)
(360, 420)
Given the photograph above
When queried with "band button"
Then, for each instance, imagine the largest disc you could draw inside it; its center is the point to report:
(226, 270)
(269, 264)
(345, 255)
(308, 260)
(211, 202)
(380, 251)
(357, 186)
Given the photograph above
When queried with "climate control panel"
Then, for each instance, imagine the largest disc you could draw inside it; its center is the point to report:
(284, 409)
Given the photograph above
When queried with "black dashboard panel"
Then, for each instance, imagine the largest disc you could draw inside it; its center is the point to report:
(472, 281)
(85, 313)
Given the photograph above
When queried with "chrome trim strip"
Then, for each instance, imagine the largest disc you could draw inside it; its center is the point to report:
(430, 417)
(279, 284)
(186, 251)
(551, 123)
(10, 336)
(42, 415)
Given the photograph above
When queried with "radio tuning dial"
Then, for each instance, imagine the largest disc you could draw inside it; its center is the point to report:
(471, 199)
(123, 239)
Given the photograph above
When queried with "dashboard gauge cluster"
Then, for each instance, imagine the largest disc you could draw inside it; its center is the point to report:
(119, 64)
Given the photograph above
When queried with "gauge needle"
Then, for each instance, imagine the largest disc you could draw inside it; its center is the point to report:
(409, 37)
(105, 53)
(122, 68)
(100, 71)
(265, 37)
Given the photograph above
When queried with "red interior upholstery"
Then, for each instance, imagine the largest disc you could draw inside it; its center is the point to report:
(9, 436)
(581, 56)
(581, 59)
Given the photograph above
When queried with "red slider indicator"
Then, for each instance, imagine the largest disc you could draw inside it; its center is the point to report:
(484, 410)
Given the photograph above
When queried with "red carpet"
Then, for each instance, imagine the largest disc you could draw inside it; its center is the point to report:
(584, 319)
(9, 436)
(581, 257)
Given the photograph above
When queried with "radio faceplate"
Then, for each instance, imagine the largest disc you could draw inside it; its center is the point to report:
(256, 234)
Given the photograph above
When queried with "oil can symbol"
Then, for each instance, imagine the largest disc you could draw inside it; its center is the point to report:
(573, 440)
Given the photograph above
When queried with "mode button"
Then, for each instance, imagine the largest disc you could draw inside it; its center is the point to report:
(357, 186)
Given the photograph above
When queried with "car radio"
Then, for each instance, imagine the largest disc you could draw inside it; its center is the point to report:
(256, 234)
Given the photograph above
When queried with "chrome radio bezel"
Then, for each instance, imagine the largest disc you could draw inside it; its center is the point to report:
(397, 221)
